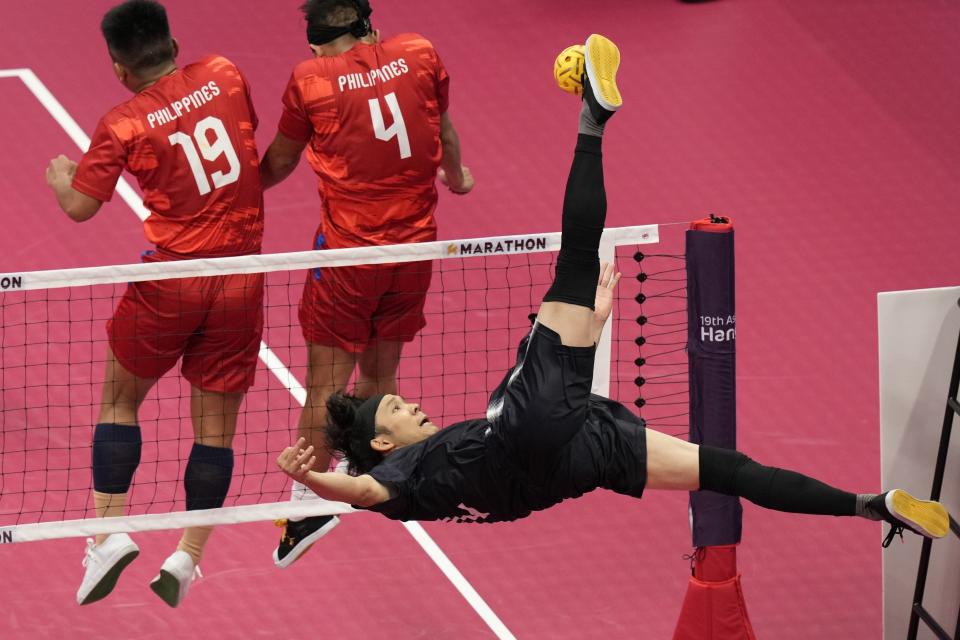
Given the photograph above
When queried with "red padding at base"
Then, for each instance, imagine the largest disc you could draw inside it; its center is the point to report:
(714, 608)
(715, 564)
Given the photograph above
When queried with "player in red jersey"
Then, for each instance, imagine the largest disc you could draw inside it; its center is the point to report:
(373, 118)
(188, 137)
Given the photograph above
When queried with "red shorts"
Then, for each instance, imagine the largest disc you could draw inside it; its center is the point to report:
(350, 307)
(214, 323)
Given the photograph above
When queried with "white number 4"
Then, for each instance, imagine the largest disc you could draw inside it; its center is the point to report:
(397, 129)
(221, 146)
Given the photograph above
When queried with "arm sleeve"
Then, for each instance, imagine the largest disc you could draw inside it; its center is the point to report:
(397, 483)
(101, 166)
(294, 122)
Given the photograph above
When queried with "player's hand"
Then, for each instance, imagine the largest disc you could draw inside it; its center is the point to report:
(297, 462)
(464, 185)
(606, 285)
(60, 171)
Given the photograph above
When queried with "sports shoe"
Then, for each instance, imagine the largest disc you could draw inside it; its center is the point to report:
(602, 58)
(176, 574)
(924, 517)
(299, 536)
(104, 564)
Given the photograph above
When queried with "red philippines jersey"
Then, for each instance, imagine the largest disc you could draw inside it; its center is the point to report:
(189, 141)
(372, 118)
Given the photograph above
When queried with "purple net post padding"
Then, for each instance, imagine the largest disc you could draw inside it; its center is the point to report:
(711, 349)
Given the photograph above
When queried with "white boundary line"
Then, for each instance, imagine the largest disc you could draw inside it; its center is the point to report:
(271, 360)
(462, 585)
(82, 140)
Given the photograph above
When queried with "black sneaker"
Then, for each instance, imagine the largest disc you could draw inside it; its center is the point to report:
(924, 517)
(600, 92)
(299, 535)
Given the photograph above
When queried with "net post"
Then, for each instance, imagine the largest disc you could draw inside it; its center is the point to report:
(714, 605)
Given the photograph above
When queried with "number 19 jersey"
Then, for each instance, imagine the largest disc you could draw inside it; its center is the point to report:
(189, 141)
(372, 119)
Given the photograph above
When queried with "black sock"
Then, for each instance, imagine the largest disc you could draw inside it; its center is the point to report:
(584, 214)
(734, 474)
(116, 456)
(208, 475)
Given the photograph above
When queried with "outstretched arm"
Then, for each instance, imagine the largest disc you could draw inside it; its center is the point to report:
(363, 491)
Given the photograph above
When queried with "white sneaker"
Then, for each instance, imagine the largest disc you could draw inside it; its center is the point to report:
(104, 563)
(176, 575)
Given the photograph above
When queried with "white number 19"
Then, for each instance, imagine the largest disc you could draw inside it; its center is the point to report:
(221, 147)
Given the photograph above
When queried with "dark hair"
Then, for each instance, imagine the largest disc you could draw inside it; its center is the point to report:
(348, 436)
(329, 19)
(138, 34)
(330, 13)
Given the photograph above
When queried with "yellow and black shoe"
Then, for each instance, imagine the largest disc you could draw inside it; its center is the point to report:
(924, 517)
(600, 91)
(299, 535)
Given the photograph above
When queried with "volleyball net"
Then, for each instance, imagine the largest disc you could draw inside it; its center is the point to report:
(481, 294)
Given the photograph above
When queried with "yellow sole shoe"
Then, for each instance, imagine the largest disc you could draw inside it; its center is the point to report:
(602, 62)
(926, 517)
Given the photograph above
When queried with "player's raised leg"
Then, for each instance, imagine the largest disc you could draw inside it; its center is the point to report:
(679, 465)
(206, 483)
(328, 370)
(542, 403)
(377, 368)
(116, 455)
(568, 306)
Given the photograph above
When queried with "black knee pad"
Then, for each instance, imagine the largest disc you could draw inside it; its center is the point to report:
(208, 476)
(116, 456)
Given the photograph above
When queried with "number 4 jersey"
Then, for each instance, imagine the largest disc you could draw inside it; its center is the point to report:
(372, 119)
(189, 141)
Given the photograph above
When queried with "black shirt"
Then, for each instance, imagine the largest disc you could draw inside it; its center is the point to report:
(468, 472)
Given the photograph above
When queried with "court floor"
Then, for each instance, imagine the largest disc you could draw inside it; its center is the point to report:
(826, 130)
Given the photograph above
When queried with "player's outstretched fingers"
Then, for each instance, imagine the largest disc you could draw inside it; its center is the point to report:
(614, 280)
(603, 272)
(306, 456)
(287, 458)
(608, 275)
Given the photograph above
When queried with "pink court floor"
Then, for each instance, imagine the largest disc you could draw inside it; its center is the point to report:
(827, 130)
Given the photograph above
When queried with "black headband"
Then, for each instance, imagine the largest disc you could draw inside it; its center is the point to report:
(318, 34)
(367, 414)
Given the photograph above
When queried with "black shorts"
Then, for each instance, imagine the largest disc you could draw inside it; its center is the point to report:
(543, 400)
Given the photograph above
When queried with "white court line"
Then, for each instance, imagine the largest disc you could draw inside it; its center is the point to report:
(453, 574)
(82, 140)
(269, 358)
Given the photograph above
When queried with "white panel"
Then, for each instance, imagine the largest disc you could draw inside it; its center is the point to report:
(918, 339)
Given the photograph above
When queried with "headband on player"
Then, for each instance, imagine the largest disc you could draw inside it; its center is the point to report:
(318, 34)
(367, 415)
